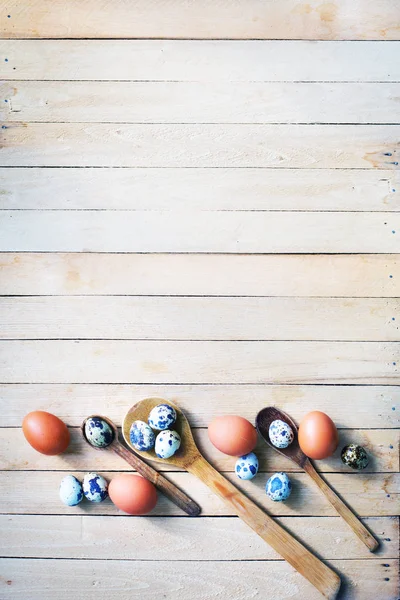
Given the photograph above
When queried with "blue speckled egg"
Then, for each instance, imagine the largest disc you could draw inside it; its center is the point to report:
(280, 434)
(167, 443)
(162, 417)
(98, 432)
(247, 466)
(141, 436)
(95, 487)
(71, 491)
(278, 487)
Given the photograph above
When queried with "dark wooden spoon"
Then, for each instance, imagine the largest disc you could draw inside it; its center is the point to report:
(294, 452)
(167, 487)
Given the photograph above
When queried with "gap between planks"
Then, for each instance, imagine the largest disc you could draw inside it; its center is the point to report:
(349, 405)
(43, 579)
(117, 60)
(192, 102)
(200, 232)
(174, 189)
(228, 19)
(149, 145)
(200, 275)
(207, 538)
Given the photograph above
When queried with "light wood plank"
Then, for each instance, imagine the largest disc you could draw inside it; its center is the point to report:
(36, 492)
(348, 406)
(200, 189)
(233, 19)
(126, 361)
(192, 275)
(45, 579)
(124, 317)
(209, 232)
(382, 446)
(279, 146)
(191, 102)
(155, 60)
(208, 538)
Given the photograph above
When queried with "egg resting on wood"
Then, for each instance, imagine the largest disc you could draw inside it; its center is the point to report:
(232, 435)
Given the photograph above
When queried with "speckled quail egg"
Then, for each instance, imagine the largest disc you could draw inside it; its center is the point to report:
(162, 417)
(167, 443)
(247, 466)
(142, 437)
(98, 432)
(355, 457)
(278, 487)
(71, 491)
(280, 434)
(95, 487)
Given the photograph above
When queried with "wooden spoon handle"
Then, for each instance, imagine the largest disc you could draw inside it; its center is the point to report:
(167, 487)
(344, 511)
(317, 573)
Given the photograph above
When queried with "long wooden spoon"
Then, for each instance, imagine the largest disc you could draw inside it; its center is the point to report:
(188, 457)
(167, 487)
(294, 452)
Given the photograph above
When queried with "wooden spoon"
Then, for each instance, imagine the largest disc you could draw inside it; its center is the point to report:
(188, 457)
(168, 489)
(294, 452)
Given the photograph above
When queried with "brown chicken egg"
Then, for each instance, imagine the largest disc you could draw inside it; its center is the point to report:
(45, 432)
(232, 435)
(133, 494)
(318, 436)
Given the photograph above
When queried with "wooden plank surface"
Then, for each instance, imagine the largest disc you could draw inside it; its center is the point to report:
(349, 406)
(365, 276)
(233, 245)
(185, 318)
(382, 446)
(200, 189)
(155, 60)
(154, 145)
(223, 232)
(45, 578)
(146, 361)
(192, 102)
(370, 494)
(234, 19)
(209, 538)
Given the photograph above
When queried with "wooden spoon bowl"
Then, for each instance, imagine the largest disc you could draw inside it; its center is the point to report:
(295, 453)
(188, 450)
(188, 457)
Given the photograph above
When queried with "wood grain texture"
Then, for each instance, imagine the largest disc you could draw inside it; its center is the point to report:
(382, 446)
(153, 145)
(191, 102)
(199, 232)
(155, 60)
(200, 189)
(233, 19)
(208, 538)
(126, 361)
(167, 318)
(344, 510)
(323, 578)
(29, 492)
(42, 579)
(348, 406)
(371, 276)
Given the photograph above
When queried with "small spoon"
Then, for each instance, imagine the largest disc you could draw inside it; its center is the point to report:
(294, 452)
(169, 489)
(188, 457)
